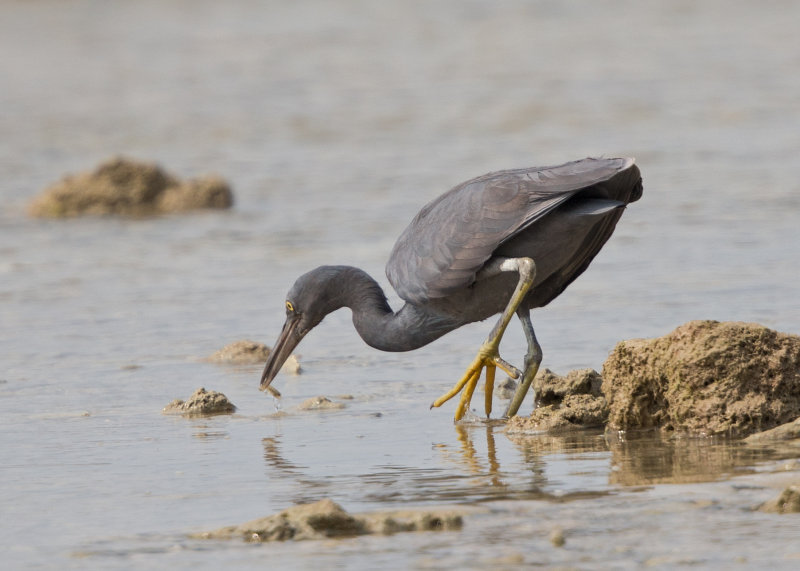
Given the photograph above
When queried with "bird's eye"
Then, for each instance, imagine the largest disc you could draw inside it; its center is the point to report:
(289, 307)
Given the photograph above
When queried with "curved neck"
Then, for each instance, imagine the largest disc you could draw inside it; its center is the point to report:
(410, 328)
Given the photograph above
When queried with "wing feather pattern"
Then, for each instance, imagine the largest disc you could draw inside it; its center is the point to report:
(453, 236)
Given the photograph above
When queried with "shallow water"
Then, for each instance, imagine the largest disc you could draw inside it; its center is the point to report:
(335, 122)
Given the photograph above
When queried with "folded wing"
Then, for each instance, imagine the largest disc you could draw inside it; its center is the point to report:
(452, 237)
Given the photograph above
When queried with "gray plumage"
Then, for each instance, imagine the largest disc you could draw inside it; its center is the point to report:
(453, 236)
(442, 264)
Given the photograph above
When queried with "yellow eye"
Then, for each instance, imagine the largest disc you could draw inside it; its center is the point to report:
(289, 306)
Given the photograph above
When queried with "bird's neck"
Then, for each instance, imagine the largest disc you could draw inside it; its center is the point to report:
(407, 329)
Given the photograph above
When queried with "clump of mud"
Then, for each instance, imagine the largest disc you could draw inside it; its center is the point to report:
(787, 502)
(550, 388)
(201, 403)
(130, 188)
(247, 352)
(326, 519)
(705, 377)
(320, 403)
(557, 537)
(504, 389)
(788, 431)
(563, 403)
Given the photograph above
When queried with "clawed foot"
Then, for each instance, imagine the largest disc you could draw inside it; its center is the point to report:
(488, 358)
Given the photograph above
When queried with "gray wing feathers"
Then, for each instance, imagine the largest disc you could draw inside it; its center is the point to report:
(452, 237)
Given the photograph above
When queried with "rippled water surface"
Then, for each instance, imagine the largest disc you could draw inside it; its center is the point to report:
(334, 122)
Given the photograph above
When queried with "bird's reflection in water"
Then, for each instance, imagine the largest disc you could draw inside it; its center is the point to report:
(481, 462)
(595, 462)
(470, 456)
(489, 480)
(275, 460)
(520, 472)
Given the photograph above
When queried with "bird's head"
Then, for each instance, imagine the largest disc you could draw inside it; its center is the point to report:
(313, 296)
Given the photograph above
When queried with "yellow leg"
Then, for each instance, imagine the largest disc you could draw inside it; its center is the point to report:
(489, 389)
(466, 396)
(488, 356)
(452, 392)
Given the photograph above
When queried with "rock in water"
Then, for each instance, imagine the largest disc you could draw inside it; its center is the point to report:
(202, 402)
(568, 403)
(326, 518)
(550, 388)
(125, 187)
(320, 403)
(247, 352)
(705, 377)
(787, 502)
(787, 431)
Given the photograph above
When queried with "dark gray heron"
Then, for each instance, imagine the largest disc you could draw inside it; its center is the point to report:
(503, 243)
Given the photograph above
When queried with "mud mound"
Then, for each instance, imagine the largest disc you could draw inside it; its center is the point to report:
(246, 352)
(575, 412)
(787, 502)
(705, 377)
(550, 388)
(201, 403)
(504, 389)
(210, 191)
(788, 431)
(320, 403)
(325, 519)
(571, 402)
(129, 188)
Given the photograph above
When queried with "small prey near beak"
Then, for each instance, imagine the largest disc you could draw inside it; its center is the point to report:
(288, 340)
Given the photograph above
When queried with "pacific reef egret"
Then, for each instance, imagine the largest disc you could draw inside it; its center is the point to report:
(502, 243)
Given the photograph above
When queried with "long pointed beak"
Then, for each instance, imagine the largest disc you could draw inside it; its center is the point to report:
(288, 340)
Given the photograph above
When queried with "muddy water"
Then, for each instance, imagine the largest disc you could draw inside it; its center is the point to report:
(334, 122)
